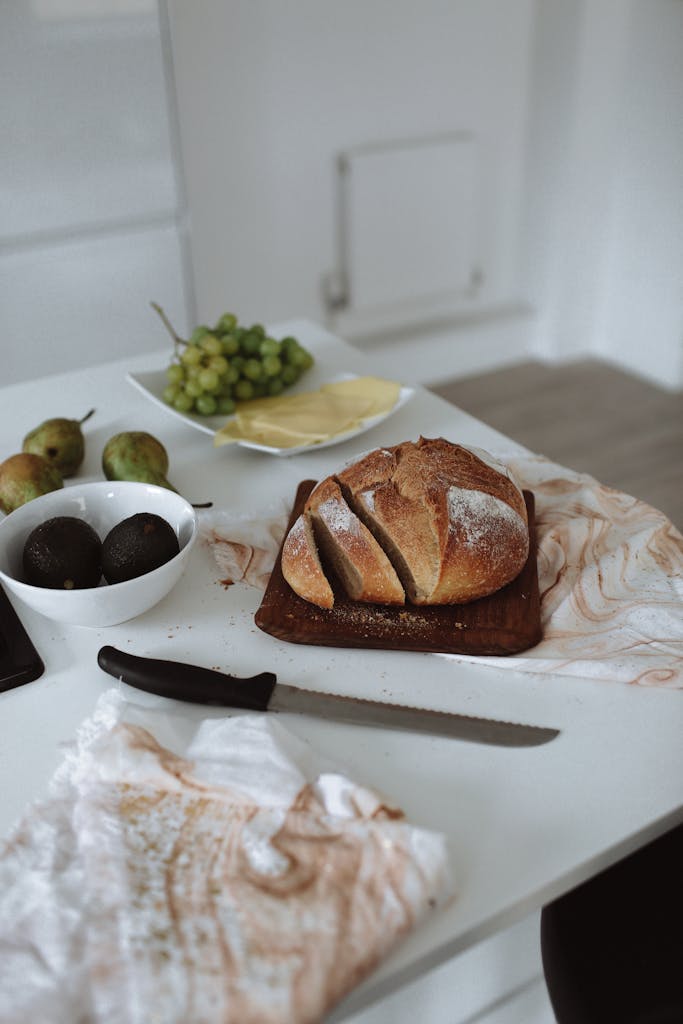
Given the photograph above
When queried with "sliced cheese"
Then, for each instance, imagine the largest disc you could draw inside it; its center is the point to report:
(310, 417)
(382, 393)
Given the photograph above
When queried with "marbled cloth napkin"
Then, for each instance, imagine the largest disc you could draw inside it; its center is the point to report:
(610, 575)
(236, 878)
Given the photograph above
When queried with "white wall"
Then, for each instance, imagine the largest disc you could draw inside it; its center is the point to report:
(640, 318)
(603, 241)
(270, 92)
(577, 109)
(90, 209)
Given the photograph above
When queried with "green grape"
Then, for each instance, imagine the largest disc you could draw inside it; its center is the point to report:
(209, 380)
(211, 345)
(193, 388)
(253, 370)
(290, 374)
(225, 405)
(192, 372)
(175, 373)
(219, 364)
(302, 359)
(244, 390)
(190, 355)
(225, 389)
(231, 345)
(232, 374)
(169, 393)
(258, 329)
(237, 363)
(250, 343)
(226, 323)
(198, 333)
(206, 405)
(183, 402)
(272, 366)
(275, 385)
(269, 347)
(288, 345)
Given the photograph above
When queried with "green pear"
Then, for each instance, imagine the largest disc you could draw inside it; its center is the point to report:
(60, 441)
(26, 476)
(136, 455)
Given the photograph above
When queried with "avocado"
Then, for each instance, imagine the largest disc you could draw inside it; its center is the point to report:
(63, 553)
(137, 545)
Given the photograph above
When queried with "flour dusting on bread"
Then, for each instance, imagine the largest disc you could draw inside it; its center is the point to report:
(478, 515)
(338, 516)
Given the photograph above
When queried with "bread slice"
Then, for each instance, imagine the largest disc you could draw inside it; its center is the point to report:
(301, 566)
(350, 549)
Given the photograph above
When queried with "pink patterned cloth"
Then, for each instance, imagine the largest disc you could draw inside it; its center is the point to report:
(236, 878)
(611, 580)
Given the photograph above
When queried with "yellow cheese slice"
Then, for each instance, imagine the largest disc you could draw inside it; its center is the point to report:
(322, 414)
(310, 417)
(322, 417)
(382, 393)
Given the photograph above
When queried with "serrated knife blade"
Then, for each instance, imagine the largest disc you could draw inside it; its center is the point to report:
(262, 692)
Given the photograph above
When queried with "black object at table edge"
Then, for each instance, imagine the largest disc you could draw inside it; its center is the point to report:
(19, 660)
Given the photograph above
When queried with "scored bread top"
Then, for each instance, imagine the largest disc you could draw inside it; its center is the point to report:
(453, 527)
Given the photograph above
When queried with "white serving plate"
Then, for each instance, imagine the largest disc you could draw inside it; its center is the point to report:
(152, 384)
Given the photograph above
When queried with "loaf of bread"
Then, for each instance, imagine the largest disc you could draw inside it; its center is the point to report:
(428, 522)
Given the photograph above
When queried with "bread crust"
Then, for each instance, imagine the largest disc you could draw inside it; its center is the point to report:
(301, 566)
(451, 522)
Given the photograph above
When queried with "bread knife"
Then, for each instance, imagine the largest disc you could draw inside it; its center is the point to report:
(262, 692)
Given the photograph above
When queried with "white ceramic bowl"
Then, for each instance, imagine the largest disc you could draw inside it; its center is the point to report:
(102, 505)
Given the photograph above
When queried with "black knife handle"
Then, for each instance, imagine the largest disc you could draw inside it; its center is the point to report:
(191, 683)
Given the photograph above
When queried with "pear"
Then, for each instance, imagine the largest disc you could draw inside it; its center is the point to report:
(60, 441)
(26, 476)
(136, 455)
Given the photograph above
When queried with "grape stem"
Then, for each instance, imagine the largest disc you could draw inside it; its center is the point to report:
(168, 325)
(86, 417)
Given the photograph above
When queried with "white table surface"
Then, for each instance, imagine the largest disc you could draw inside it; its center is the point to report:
(524, 825)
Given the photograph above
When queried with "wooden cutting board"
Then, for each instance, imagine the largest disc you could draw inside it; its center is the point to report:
(507, 622)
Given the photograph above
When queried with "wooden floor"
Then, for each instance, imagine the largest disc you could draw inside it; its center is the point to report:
(591, 417)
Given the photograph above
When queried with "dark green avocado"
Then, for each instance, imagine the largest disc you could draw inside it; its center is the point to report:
(137, 545)
(63, 553)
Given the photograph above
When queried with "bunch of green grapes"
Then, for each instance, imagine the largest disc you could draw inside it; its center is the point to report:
(221, 366)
